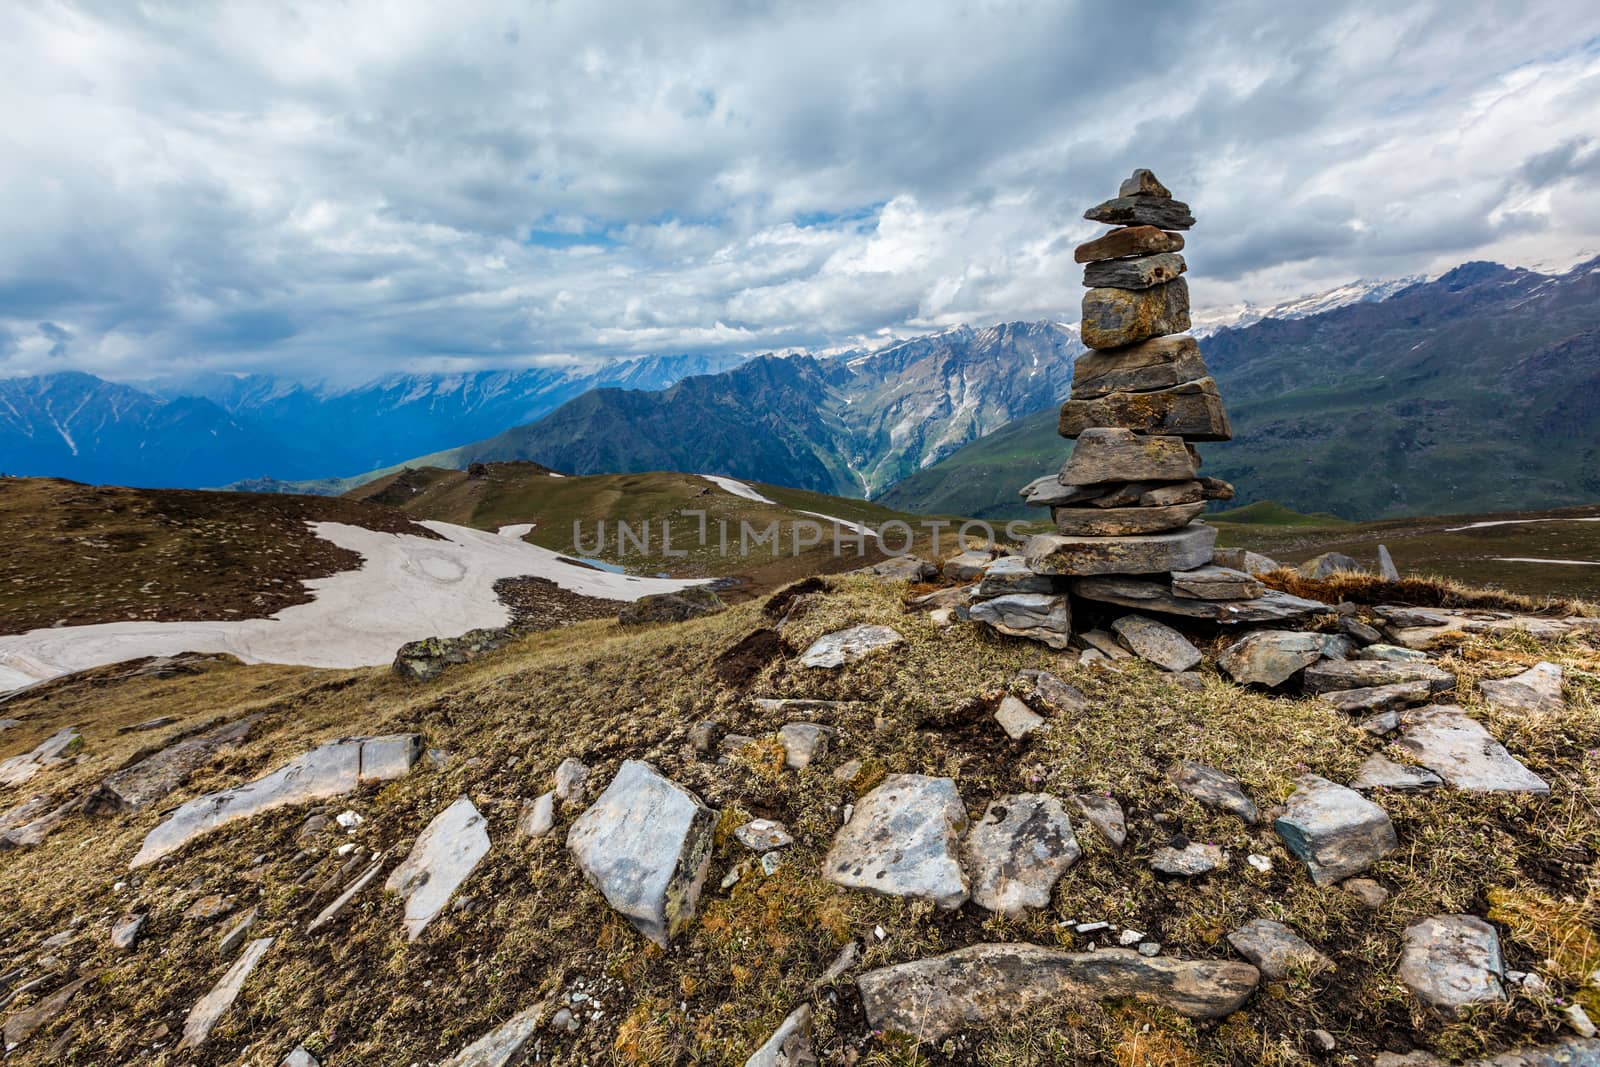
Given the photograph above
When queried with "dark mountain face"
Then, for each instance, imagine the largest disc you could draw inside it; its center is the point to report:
(1474, 392)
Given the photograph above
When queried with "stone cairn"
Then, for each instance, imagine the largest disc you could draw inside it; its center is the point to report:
(1126, 502)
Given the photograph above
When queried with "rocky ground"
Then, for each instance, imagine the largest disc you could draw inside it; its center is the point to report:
(857, 821)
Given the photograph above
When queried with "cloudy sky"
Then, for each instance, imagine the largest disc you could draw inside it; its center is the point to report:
(338, 189)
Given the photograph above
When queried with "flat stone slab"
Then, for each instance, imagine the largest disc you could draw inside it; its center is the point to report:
(1105, 815)
(1215, 790)
(789, 1045)
(1573, 1052)
(453, 844)
(1134, 272)
(1334, 830)
(1094, 521)
(1156, 642)
(1381, 772)
(210, 1008)
(20, 1026)
(1191, 410)
(1010, 574)
(646, 845)
(848, 645)
(1178, 550)
(904, 840)
(1379, 698)
(505, 1044)
(981, 985)
(53, 750)
(1128, 241)
(1053, 691)
(1456, 747)
(1112, 454)
(1017, 719)
(1159, 211)
(1190, 861)
(1451, 961)
(326, 771)
(1331, 675)
(1159, 363)
(1271, 657)
(1157, 596)
(152, 778)
(1276, 950)
(1042, 617)
(1537, 690)
(1212, 582)
(1018, 851)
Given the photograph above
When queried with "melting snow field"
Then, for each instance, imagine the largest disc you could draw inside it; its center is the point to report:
(406, 588)
(1568, 562)
(1514, 522)
(737, 488)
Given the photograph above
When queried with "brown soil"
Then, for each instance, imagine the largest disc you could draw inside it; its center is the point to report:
(541, 604)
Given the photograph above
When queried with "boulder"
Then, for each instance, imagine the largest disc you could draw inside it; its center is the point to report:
(1334, 830)
(848, 645)
(678, 606)
(1128, 241)
(1329, 564)
(1105, 815)
(803, 743)
(1270, 606)
(1276, 950)
(1179, 550)
(1452, 961)
(646, 845)
(1381, 772)
(427, 658)
(446, 852)
(1270, 657)
(505, 1045)
(1212, 582)
(210, 1008)
(1039, 617)
(1190, 860)
(1159, 363)
(1213, 789)
(1536, 690)
(1123, 522)
(985, 984)
(1378, 698)
(1010, 574)
(1332, 675)
(904, 841)
(1135, 272)
(1192, 410)
(789, 1045)
(1053, 691)
(326, 771)
(1156, 643)
(1159, 211)
(1445, 740)
(1016, 718)
(53, 750)
(1018, 851)
(1112, 454)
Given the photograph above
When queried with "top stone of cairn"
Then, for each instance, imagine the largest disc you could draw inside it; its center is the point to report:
(1143, 183)
(1142, 201)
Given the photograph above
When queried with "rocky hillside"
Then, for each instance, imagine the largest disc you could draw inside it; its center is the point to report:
(841, 826)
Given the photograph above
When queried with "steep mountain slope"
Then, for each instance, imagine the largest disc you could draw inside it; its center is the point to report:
(851, 425)
(1479, 391)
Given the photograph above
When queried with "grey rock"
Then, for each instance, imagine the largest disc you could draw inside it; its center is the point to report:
(1573, 1052)
(704, 735)
(1240, 559)
(967, 566)
(538, 816)
(1123, 522)
(1112, 318)
(1386, 722)
(1049, 491)
(1457, 748)
(152, 778)
(1271, 657)
(904, 840)
(680, 605)
(1106, 643)
(803, 743)
(504, 1046)
(1156, 643)
(236, 933)
(848, 957)
(1365, 890)
(27, 824)
(1329, 564)
(1192, 410)
(1386, 568)
(125, 931)
(985, 984)
(1452, 961)
(789, 1045)
(1018, 851)
(904, 569)
(1334, 830)
(299, 1056)
(1017, 719)
(210, 1008)
(1113, 454)
(1010, 574)
(342, 901)
(572, 781)
(445, 854)
(1332, 675)
(1053, 691)
(1271, 606)
(1536, 690)
(1378, 698)
(1149, 495)
(326, 771)
(763, 835)
(848, 645)
(1213, 789)
(1159, 363)
(1105, 815)
(1163, 212)
(1354, 627)
(1190, 861)
(52, 751)
(1212, 582)
(1338, 646)
(1182, 549)
(1392, 654)
(428, 658)
(1276, 950)
(1381, 772)
(1136, 272)
(20, 1026)
(1041, 617)
(646, 845)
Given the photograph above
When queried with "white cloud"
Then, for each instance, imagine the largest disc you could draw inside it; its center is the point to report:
(344, 189)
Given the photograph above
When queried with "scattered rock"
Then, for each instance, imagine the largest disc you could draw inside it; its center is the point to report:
(1105, 642)
(504, 1046)
(1331, 675)
(1010, 574)
(1451, 961)
(1271, 657)
(210, 1008)
(428, 658)
(1324, 1041)
(1017, 719)
(1353, 627)
(235, 935)
(1386, 568)
(1378, 698)
(1276, 950)
(1328, 564)
(904, 569)
(299, 1057)
(125, 931)
(1536, 690)
(1381, 772)
(847, 646)
(1037, 616)
(446, 852)
(351, 891)
(1240, 559)
(763, 835)
(1105, 815)
(571, 784)
(803, 742)
(1383, 723)
(966, 566)
(1458, 749)
(1189, 861)
(1053, 691)
(21, 1025)
(1018, 851)
(53, 750)
(904, 840)
(209, 908)
(538, 816)
(326, 771)
(1213, 789)
(789, 1045)
(1334, 830)
(680, 606)
(646, 846)
(981, 985)
(1156, 642)
(1392, 654)
(704, 735)
(1368, 892)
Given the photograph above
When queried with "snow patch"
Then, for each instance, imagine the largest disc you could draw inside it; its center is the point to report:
(737, 488)
(853, 527)
(1513, 522)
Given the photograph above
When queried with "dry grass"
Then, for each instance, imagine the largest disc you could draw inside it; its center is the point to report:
(1428, 591)
(360, 994)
